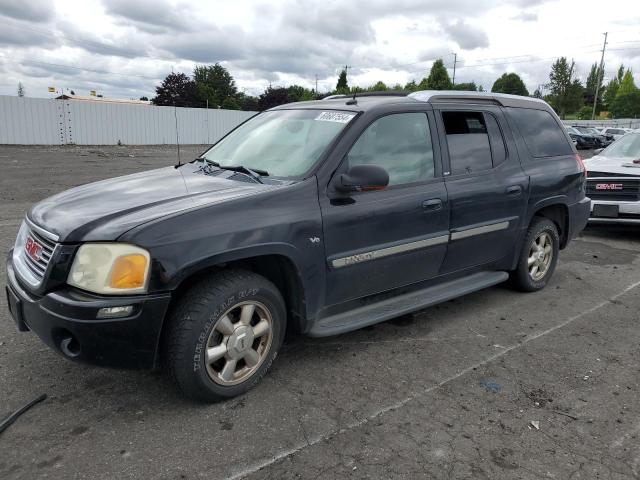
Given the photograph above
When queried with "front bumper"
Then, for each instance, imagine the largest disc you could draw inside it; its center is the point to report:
(66, 321)
(628, 212)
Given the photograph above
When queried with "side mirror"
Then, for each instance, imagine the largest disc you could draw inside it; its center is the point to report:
(597, 151)
(362, 178)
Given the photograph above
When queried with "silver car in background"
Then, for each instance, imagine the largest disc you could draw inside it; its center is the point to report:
(613, 182)
(616, 133)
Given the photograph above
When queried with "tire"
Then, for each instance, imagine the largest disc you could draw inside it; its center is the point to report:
(212, 328)
(522, 277)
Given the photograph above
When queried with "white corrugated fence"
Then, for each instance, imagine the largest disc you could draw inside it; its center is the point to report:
(42, 121)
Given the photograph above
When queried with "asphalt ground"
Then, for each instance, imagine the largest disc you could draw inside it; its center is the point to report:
(495, 385)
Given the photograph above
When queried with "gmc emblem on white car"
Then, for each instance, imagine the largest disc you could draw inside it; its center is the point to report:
(608, 186)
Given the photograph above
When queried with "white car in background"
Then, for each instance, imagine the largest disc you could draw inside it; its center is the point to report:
(613, 182)
(615, 132)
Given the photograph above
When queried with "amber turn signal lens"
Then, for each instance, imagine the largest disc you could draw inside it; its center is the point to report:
(128, 271)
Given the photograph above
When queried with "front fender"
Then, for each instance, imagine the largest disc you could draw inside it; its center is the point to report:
(284, 221)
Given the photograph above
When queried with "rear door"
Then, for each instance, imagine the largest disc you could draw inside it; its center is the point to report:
(380, 240)
(486, 186)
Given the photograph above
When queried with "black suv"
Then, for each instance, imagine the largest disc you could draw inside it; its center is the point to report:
(320, 217)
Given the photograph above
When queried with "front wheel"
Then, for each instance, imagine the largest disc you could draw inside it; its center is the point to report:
(223, 335)
(539, 255)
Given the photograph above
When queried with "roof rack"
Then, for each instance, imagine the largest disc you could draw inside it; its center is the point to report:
(395, 93)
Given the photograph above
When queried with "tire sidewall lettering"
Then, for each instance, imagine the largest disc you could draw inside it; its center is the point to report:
(200, 346)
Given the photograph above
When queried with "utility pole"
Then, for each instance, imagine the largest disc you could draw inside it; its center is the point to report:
(600, 77)
(316, 91)
(455, 61)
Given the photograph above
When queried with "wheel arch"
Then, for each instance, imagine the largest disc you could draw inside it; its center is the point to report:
(275, 264)
(558, 213)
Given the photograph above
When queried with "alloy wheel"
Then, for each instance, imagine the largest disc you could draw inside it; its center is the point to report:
(540, 256)
(238, 343)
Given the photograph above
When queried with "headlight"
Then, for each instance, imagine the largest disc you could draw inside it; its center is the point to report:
(110, 268)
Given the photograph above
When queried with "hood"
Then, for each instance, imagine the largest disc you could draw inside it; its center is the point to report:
(107, 209)
(622, 166)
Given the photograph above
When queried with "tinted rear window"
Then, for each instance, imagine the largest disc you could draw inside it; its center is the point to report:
(541, 132)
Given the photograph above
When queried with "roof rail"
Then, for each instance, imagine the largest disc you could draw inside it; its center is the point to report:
(506, 100)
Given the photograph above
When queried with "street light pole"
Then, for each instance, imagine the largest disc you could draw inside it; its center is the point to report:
(599, 78)
(455, 61)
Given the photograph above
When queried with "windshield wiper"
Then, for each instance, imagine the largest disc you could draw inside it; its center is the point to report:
(250, 172)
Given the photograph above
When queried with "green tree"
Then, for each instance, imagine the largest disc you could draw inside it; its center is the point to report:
(566, 92)
(469, 87)
(176, 89)
(378, 87)
(272, 97)
(537, 93)
(411, 86)
(247, 102)
(611, 89)
(626, 105)
(20, 89)
(627, 101)
(585, 112)
(510, 83)
(298, 93)
(627, 85)
(215, 84)
(594, 81)
(342, 86)
(438, 78)
(230, 103)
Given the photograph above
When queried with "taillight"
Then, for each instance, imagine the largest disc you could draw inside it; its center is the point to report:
(583, 169)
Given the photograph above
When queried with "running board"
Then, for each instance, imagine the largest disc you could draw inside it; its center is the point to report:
(403, 304)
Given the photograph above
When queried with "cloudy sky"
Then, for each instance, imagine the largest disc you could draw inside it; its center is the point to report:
(123, 48)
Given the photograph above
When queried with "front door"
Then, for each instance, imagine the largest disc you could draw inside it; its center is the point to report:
(380, 240)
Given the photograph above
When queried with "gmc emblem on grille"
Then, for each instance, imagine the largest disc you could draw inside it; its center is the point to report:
(33, 248)
(608, 186)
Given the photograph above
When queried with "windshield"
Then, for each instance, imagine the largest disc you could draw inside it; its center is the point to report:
(627, 147)
(284, 143)
(572, 130)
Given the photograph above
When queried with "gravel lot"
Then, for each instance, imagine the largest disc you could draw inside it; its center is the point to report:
(450, 392)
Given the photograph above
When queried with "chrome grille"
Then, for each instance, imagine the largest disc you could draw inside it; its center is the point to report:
(31, 270)
(39, 267)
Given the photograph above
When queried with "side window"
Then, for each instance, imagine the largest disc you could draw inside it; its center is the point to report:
(468, 142)
(541, 133)
(399, 143)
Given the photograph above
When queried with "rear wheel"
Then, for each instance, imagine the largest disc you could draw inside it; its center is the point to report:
(223, 335)
(539, 255)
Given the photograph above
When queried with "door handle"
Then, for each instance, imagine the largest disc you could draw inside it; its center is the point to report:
(433, 205)
(514, 190)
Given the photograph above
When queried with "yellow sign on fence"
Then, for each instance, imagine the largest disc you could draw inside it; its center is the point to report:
(52, 89)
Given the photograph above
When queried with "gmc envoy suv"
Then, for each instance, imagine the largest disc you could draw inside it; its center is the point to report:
(318, 217)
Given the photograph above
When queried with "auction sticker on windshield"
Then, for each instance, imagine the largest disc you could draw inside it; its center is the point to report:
(339, 117)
